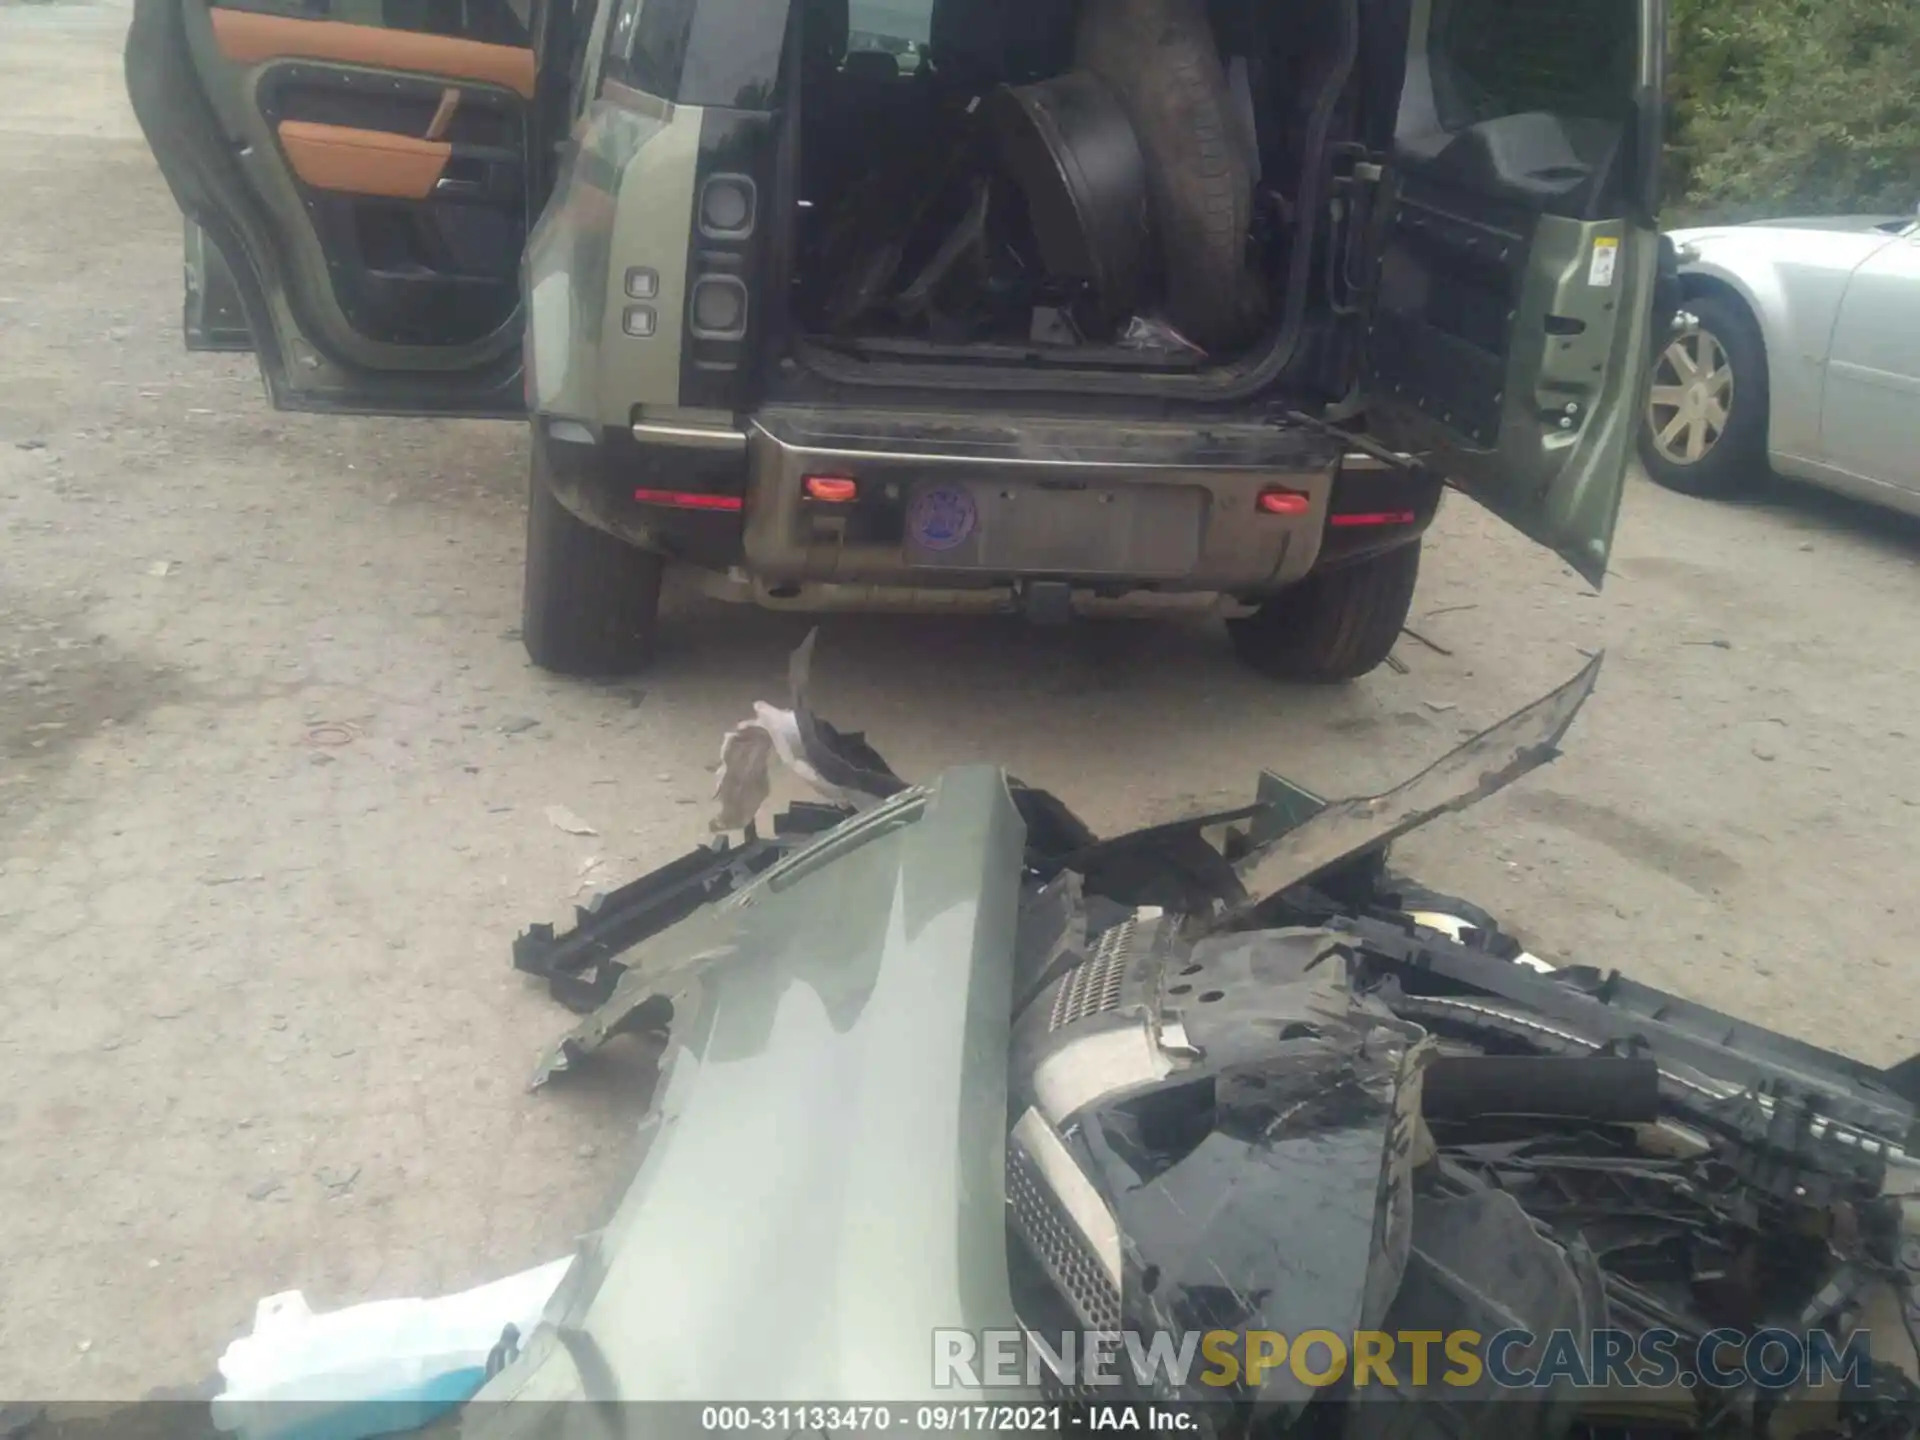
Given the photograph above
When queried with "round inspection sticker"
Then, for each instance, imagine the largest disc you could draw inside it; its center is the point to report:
(942, 518)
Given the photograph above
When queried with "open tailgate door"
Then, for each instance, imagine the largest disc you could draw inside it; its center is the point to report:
(1516, 257)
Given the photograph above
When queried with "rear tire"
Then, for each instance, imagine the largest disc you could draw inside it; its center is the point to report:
(590, 604)
(1159, 59)
(1734, 454)
(1336, 624)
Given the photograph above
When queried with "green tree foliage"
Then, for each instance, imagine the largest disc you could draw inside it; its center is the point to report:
(1793, 107)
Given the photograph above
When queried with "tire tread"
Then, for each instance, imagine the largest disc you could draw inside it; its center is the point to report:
(1334, 626)
(590, 602)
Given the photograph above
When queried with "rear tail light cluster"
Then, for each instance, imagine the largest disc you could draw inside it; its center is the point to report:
(726, 207)
(1280, 501)
(718, 310)
(717, 299)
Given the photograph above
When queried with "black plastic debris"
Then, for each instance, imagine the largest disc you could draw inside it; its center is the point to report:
(582, 967)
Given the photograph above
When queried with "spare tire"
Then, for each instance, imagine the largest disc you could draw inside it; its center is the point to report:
(1159, 59)
(1073, 152)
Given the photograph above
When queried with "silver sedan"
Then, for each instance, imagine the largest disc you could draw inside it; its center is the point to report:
(1798, 348)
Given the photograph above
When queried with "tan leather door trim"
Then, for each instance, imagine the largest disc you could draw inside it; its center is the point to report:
(247, 38)
(363, 162)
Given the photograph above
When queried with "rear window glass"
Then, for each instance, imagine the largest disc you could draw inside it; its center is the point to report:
(1494, 58)
(727, 52)
(893, 27)
(706, 52)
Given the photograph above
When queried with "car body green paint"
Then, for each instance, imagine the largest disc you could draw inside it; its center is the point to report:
(823, 1184)
(1548, 451)
(622, 201)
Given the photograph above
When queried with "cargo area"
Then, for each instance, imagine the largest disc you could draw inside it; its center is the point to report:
(1156, 186)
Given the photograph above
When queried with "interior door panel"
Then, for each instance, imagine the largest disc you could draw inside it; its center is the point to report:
(416, 189)
(364, 163)
(249, 37)
(1517, 254)
(409, 150)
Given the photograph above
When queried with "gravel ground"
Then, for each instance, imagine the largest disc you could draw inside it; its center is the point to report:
(274, 775)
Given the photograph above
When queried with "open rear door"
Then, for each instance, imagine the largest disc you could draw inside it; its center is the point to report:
(211, 316)
(355, 172)
(1517, 256)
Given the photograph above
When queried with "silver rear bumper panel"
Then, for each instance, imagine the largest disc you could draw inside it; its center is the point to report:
(1108, 507)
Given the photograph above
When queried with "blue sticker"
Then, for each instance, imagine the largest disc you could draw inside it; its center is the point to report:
(942, 518)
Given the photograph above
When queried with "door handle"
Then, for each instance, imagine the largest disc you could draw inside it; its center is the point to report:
(484, 174)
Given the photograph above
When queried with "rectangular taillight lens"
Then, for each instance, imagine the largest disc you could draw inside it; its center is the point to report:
(1372, 517)
(690, 500)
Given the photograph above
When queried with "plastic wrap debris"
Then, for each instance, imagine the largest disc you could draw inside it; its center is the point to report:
(1145, 332)
(743, 782)
(840, 767)
(373, 1369)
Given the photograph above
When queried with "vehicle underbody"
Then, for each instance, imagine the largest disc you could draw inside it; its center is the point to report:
(1257, 1082)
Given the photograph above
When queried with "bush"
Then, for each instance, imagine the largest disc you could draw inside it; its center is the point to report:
(1787, 107)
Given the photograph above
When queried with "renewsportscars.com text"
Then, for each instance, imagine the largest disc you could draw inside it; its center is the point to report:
(1770, 1359)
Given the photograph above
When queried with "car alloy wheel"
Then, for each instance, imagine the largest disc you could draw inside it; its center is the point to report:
(1692, 396)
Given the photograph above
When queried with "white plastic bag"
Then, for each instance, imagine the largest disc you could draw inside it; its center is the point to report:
(1150, 332)
(372, 1369)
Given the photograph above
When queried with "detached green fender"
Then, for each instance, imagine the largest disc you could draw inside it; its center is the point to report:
(824, 1185)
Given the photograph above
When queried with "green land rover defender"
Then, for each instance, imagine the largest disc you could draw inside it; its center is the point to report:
(1060, 306)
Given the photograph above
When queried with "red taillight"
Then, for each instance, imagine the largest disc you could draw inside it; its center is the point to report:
(833, 489)
(689, 500)
(1284, 502)
(1373, 517)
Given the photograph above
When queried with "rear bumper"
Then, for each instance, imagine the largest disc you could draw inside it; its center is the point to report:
(608, 478)
(950, 503)
(874, 507)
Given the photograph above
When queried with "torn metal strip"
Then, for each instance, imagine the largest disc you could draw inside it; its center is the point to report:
(1343, 829)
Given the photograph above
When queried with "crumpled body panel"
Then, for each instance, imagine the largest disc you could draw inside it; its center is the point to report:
(823, 1186)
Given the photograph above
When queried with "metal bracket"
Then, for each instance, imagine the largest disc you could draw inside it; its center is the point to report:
(580, 966)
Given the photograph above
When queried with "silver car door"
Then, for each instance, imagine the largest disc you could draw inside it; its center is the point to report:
(1870, 413)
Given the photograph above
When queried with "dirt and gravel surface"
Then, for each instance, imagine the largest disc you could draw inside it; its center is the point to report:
(275, 774)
